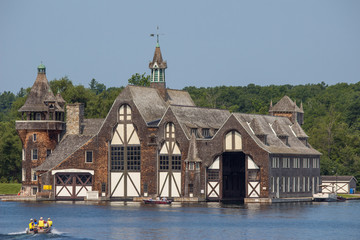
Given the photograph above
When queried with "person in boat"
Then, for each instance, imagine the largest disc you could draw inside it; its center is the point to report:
(31, 225)
(41, 223)
(35, 224)
(164, 199)
(49, 222)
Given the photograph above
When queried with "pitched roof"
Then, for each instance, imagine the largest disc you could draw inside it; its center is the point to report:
(39, 93)
(158, 59)
(197, 117)
(91, 127)
(68, 145)
(337, 178)
(193, 152)
(148, 101)
(285, 105)
(179, 97)
(274, 144)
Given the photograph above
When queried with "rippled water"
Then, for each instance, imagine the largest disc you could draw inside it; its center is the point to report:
(118, 220)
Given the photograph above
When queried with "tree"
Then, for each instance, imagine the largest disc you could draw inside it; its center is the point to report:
(139, 80)
(96, 87)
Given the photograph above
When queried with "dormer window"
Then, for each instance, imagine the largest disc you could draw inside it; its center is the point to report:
(206, 133)
(195, 132)
(38, 116)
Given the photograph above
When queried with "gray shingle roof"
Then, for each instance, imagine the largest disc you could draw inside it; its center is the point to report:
(274, 144)
(39, 93)
(178, 97)
(196, 117)
(285, 105)
(337, 178)
(149, 102)
(91, 127)
(68, 145)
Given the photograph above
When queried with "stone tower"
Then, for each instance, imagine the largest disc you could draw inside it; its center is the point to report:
(287, 108)
(158, 66)
(40, 129)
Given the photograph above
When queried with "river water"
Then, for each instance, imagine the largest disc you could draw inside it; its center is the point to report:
(119, 220)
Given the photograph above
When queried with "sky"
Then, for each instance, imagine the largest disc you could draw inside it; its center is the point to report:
(205, 43)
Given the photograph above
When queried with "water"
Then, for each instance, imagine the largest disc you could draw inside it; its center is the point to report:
(118, 220)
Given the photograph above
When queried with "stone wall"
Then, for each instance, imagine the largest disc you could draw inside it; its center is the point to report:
(74, 118)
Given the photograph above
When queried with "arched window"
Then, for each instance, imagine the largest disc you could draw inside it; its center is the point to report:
(233, 141)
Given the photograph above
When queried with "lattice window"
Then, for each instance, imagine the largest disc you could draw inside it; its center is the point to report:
(275, 162)
(176, 162)
(117, 158)
(133, 158)
(206, 133)
(84, 179)
(34, 154)
(213, 175)
(164, 162)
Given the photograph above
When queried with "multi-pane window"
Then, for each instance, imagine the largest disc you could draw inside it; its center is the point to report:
(194, 131)
(213, 175)
(306, 162)
(133, 158)
(197, 166)
(164, 162)
(33, 175)
(103, 187)
(117, 158)
(275, 162)
(288, 185)
(296, 162)
(206, 132)
(286, 162)
(88, 156)
(176, 162)
(191, 166)
(316, 163)
(34, 154)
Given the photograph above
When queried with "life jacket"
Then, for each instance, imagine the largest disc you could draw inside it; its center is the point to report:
(41, 223)
(31, 226)
(49, 222)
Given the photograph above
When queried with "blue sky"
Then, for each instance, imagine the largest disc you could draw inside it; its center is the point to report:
(206, 43)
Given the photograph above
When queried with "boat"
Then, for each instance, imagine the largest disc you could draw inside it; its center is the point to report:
(39, 231)
(161, 201)
(327, 197)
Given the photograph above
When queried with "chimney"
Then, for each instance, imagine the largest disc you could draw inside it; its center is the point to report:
(74, 118)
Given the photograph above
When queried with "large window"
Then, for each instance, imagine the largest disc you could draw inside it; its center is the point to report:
(286, 162)
(296, 162)
(164, 162)
(176, 162)
(117, 158)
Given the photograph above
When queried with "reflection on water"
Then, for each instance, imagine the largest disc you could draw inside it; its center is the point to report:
(129, 220)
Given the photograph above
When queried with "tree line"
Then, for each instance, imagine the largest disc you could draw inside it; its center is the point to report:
(332, 115)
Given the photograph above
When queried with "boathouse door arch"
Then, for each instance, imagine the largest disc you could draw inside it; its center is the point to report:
(233, 168)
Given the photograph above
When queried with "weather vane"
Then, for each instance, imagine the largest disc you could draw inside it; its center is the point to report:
(157, 34)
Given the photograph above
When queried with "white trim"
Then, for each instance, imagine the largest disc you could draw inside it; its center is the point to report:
(72, 170)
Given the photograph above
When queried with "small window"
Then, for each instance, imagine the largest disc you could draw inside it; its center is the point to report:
(34, 137)
(145, 188)
(34, 190)
(191, 166)
(89, 157)
(48, 152)
(197, 166)
(34, 154)
(103, 187)
(33, 175)
(206, 133)
(23, 174)
(191, 188)
(194, 131)
(23, 154)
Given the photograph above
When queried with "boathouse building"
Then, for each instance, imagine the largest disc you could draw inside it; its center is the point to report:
(154, 141)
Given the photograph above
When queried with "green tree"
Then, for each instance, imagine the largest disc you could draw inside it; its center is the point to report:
(139, 80)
